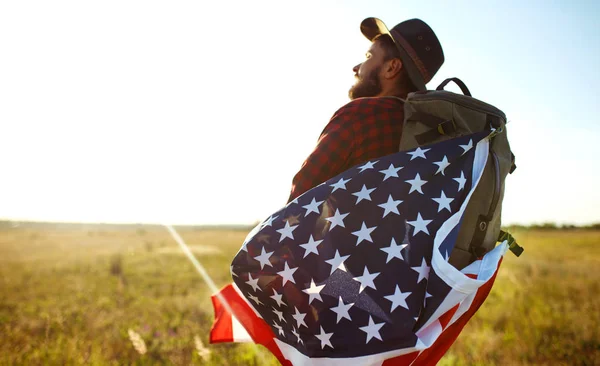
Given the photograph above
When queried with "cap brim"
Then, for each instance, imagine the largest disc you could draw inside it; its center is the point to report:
(373, 27)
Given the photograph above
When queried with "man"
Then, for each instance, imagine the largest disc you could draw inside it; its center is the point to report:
(399, 61)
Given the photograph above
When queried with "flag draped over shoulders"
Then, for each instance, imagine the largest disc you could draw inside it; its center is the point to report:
(355, 270)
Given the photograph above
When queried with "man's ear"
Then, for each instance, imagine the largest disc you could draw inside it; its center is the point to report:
(392, 68)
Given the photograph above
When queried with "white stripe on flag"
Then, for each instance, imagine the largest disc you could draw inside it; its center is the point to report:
(430, 334)
(239, 332)
(462, 308)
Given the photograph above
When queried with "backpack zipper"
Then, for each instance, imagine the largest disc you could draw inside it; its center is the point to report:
(497, 187)
(470, 103)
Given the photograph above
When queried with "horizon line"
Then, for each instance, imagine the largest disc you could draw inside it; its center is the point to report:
(238, 225)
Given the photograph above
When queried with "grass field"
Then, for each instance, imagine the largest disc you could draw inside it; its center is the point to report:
(80, 294)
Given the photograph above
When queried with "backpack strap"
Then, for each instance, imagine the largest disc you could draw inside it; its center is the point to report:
(438, 126)
(458, 82)
(513, 246)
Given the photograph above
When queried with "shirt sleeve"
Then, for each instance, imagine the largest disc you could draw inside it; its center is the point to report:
(330, 156)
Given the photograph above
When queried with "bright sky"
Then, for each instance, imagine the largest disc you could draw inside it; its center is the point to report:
(198, 112)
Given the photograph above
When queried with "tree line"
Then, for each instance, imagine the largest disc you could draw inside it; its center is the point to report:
(553, 226)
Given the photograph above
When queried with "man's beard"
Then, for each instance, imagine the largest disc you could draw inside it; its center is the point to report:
(368, 86)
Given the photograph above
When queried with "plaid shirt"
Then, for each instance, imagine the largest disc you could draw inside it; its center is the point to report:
(364, 129)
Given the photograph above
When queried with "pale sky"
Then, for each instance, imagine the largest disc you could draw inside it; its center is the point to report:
(194, 112)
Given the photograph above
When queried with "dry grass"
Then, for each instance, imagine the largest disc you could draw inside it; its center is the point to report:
(93, 295)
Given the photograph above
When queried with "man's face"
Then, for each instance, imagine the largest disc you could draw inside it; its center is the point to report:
(368, 82)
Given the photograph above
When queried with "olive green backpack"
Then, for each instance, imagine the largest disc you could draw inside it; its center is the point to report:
(437, 115)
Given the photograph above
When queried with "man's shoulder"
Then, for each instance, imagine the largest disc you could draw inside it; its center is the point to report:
(368, 104)
(366, 110)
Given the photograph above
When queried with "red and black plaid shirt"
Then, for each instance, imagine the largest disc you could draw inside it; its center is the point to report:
(364, 129)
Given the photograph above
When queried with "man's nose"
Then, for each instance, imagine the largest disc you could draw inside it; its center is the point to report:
(355, 68)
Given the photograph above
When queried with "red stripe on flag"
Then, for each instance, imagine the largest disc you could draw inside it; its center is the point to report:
(447, 316)
(256, 327)
(222, 328)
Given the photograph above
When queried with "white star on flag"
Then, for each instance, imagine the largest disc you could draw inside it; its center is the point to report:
(418, 153)
(253, 282)
(269, 221)
(427, 296)
(392, 171)
(337, 262)
(294, 332)
(394, 251)
(442, 165)
(313, 206)
(416, 184)
(336, 220)
(232, 272)
(279, 315)
(390, 206)
(366, 280)
(277, 297)
(420, 225)
(263, 258)
(287, 274)
(467, 147)
(461, 181)
(363, 194)
(311, 246)
(279, 328)
(342, 310)
(422, 270)
(245, 244)
(372, 329)
(255, 299)
(314, 292)
(443, 202)
(398, 298)
(364, 233)
(368, 165)
(341, 184)
(299, 317)
(286, 231)
(324, 338)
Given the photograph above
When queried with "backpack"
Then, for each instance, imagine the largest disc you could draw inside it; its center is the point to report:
(437, 115)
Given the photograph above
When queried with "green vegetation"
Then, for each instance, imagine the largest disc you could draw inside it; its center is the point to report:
(127, 295)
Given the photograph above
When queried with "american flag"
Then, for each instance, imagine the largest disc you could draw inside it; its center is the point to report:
(355, 271)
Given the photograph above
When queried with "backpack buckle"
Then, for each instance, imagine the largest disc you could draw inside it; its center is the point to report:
(515, 248)
(447, 127)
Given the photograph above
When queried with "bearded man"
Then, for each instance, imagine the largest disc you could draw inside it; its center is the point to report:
(400, 61)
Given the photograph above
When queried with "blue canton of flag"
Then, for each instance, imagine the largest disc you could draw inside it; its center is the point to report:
(349, 269)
